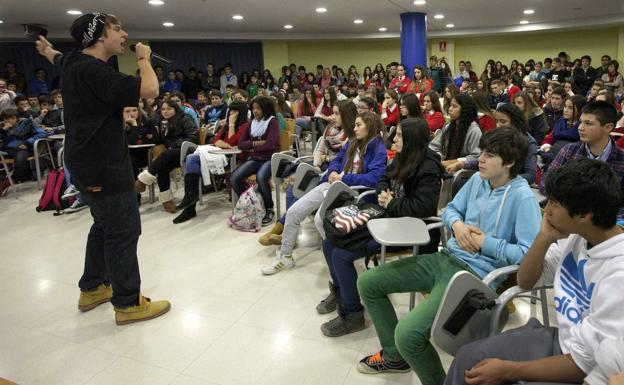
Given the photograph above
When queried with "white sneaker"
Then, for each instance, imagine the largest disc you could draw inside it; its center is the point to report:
(76, 206)
(278, 264)
(70, 192)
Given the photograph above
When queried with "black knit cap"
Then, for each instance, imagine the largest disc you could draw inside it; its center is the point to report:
(88, 28)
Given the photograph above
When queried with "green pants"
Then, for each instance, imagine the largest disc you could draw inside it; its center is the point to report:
(409, 338)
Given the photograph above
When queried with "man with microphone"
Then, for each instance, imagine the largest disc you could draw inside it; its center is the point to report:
(96, 153)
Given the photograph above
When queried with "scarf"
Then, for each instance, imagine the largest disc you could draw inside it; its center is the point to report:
(259, 127)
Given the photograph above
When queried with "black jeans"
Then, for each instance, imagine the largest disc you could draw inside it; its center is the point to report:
(22, 171)
(111, 254)
(162, 166)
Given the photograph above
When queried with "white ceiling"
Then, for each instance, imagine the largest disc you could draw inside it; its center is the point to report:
(264, 19)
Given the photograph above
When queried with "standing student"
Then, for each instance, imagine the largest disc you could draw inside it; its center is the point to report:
(580, 251)
(92, 88)
(479, 244)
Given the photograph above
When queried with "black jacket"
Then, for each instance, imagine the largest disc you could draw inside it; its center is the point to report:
(422, 189)
(180, 128)
(583, 80)
(538, 127)
(552, 116)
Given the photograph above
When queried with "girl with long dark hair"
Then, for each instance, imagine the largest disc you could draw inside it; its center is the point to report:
(433, 112)
(410, 189)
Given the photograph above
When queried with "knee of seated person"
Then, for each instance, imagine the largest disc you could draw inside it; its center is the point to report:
(408, 340)
(366, 281)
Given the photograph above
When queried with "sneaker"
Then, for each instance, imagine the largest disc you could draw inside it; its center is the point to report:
(76, 206)
(145, 310)
(344, 324)
(375, 364)
(268, 217)
(70, 192)
(278, 264)
(91, 299)
(330, 303)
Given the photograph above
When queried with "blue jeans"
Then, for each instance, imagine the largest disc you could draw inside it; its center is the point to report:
(344, 275)
(111, 254)
(262, 169)
(290, 200)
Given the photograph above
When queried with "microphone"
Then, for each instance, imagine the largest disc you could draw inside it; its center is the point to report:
(155, 56)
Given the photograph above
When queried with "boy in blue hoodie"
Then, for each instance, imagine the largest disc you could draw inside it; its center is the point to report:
(17, 137)
(494, 219)
(580, 251)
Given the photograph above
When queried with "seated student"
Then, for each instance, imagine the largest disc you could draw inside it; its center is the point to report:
(367, 103)
(593, 90)
(325, 109)
(484, 113)
(334, 138)
(282, 105)
(50, 118)
(178, 97)
(596, 123)
(580, 250)
(172, 84)
(260, 141)
(609, 359)
(554, 108)
(360, 162)
(23, 108)
(411, 188)
(306, 109)
(498, 94)
(174, 128)
(389, 108)
(480, 243)
(534, 115)
(17, 138)
(401, 83)
(227, 137)
(566, 129)
(139, 130)
(432, 112)
(508, 115)
(216, 110)
(459, 138)
(510, 88)
(409, 107)
(421, 84)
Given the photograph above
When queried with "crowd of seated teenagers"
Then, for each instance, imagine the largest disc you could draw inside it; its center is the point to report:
(409, 186)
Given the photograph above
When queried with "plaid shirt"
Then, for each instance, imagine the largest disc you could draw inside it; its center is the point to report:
(579, 150)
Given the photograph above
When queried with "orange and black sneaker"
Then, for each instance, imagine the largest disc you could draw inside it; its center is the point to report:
(375, 364)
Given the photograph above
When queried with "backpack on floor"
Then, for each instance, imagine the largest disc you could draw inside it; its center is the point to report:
(248, 212)
(52, 192)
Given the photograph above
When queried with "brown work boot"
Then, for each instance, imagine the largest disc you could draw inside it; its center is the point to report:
(91, 299)
(145, 310)
(144, 179)
(266, 239)
(140, 186)
(275, 239)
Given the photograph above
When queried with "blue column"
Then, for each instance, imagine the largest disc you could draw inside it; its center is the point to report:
(413, 40)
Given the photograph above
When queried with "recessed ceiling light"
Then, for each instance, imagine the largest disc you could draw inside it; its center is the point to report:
(321, 10)
(524, 22)
(238, 17)
(74, 12)
(358, 21)
(383, 29)
(1, 21)
(288, 26)
(168, 24)
(156, 2)
(450, 25)
(529, 11)
(439, 16)
(420, 2)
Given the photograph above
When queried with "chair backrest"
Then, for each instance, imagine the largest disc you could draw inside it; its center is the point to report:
(286, 136)
(202, 135)
(294, 106)
(184, 150)
(453, 328)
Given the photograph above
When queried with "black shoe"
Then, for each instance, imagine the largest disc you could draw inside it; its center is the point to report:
(344, 324)
(330, 303)
(375, 364)
(268, 217)
(191, 191)
(186, 214)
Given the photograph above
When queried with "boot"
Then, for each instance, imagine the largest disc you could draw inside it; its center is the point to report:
(90, 299)
(145, 310)
(144, 179)
(191, 191)
(344, 324)
(276, 229)
(330, 303)
(186, 214)
(166, 198)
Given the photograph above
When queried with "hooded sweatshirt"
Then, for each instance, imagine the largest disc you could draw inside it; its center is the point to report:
(373, 169)
(588, 286)
(508, 215)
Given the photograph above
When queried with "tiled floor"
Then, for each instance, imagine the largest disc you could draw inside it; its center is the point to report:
(228, 324)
